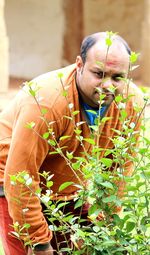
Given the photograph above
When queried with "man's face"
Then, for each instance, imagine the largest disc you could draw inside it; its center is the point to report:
(100, 75)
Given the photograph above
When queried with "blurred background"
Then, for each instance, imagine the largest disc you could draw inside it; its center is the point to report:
(39, 36)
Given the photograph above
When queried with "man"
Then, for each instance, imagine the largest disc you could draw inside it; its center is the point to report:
(95, 72)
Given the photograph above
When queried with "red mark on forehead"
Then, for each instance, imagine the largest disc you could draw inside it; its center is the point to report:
(112, 62)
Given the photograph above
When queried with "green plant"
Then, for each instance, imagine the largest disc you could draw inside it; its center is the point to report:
(104, 231)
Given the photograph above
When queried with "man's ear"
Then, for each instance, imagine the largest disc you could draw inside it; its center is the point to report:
(79, 63)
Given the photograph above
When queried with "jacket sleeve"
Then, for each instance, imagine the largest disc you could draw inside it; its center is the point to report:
(27, 152)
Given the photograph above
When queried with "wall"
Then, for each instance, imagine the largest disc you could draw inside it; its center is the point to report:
(35, 30)
(45, 35)
(73, 33)
(122, 16)
(3, 51)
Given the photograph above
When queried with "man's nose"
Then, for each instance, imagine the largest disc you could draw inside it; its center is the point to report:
(106, 83)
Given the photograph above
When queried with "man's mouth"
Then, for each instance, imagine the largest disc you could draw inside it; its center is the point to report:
(109, 94)
(106, 94)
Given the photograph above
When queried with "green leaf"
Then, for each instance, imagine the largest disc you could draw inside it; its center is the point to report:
(123, 114)
(92, 209)
(28, 243)
(62, 204)
(64, 185)
(60, 75)
(69, 155)
(118, 98)
(26, 225)
(20, 179)
(96, 229)
(116, 218)
(109, 243)
(109, 199)
(101, 96)
(44, 111)
(92, 111)
(67, 117)
(108, 41)
(107, 185)
(133, 57)
(94, 215)
(79, 203)
(59, 150)
(38, 191)
(89, 140)
(51, 142)
(76, 165)
(32, 92)
(80, 233)
(106, 161)
(104, 119)
(100, 193)
(64, 137)
(75, 113)
(94, 127)
(108, 151)
(65, 93)
(46, 135)
(78, 131)
(49, 184)
(130, 226)
(64, 250)
(30, 125)
(13, 178)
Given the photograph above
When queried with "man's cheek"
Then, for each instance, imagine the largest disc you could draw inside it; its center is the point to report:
(120, 89)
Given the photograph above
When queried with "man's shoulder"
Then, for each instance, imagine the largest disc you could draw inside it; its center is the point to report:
(49, 87)
(55, 75)
(134, 88)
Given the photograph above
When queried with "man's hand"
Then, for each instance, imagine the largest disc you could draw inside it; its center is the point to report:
(37, 251)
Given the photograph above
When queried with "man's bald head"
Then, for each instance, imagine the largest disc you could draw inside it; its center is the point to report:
(92, 39)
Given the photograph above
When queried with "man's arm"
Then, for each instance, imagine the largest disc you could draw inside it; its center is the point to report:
(27, 152)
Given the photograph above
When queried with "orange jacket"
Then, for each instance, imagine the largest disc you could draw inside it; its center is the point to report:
(22, 149)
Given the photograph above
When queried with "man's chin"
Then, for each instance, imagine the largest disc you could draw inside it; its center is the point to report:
(106, 101)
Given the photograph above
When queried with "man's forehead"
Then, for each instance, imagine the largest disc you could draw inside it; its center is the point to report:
(114, 57)
(117, 47)
(112, 62)
(111, 65)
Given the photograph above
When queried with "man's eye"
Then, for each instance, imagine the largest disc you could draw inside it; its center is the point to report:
(118, 78)
(99, 74)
